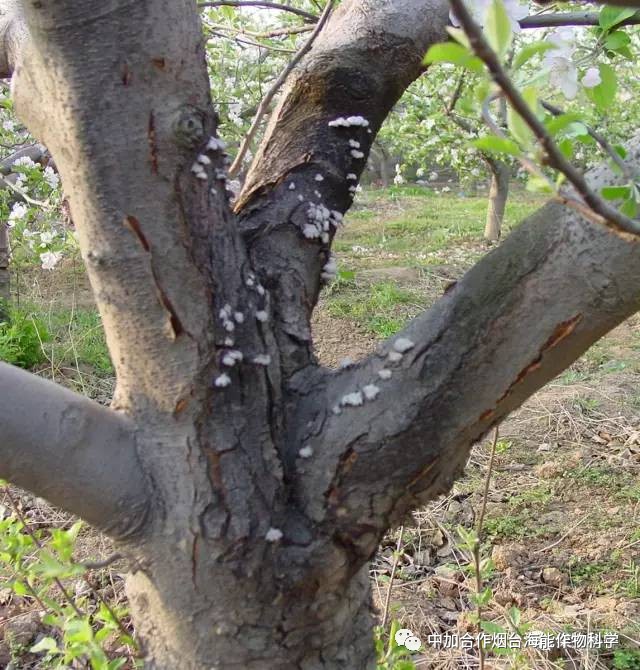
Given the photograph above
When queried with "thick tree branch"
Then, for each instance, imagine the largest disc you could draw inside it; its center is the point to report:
(569, 19)
(518, 318)
(77, 454)
(12, 35)
(306, 171)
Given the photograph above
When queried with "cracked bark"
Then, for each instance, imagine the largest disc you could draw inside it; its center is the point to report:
(206, 313)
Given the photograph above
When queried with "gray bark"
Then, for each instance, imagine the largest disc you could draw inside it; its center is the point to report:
(248, 555)
(498, 194)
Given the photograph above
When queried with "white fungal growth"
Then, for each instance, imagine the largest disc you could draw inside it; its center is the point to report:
(402, 345)
(371, 391)
(261, 315)
(231, 358)
(336, 410)
(356, 153)
(222, 381)
(352, 176)
(300, 197)
(306, 452)
(205, 160)
(325, 238)
(310, 231)
(262, 359)
(330, 269)
(337, 216)
(349, 122)
(228, 342)
(292, 186)
(260, 289)
(273, 535)
(317, 194)
(354, 399)
(196, 168)
(229, 326)
(215, 144)
(250, 280)
(354, 144)
(220, 174)
(395, 356)
(319, 177)
(239, 317)
(385, 374)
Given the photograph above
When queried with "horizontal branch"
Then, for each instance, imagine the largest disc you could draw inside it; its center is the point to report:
(393, 431)
(569, 19)
(75, 453)
(260, 3)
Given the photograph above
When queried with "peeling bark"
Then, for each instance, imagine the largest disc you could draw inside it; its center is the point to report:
(249, 555)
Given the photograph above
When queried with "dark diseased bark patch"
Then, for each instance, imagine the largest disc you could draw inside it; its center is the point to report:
(132, 223)
(153, 147)
(126, 75)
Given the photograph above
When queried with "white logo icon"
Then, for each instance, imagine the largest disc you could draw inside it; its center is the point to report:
(405, 638)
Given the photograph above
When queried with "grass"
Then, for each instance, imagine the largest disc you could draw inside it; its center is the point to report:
(378, 308)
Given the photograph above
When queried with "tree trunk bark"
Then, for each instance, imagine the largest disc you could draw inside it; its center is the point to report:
(5, 275)
(498, 194)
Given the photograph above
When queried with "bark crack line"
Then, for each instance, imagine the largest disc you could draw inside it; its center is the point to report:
(153, 145)
(133, 225)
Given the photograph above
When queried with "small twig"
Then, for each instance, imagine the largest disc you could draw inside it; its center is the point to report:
(36, 203)
(487, 483)
(266, 101)
(99, 565)
(259, 45)
(565, 536)
(276, 32)
(260, 3)
(556, 159)
(478, 543)
(38, 544)
(394, 567)
(601, 140)
(569, 19)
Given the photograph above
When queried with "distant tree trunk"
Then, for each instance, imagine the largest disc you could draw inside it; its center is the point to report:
(498, 194)
(5, 277)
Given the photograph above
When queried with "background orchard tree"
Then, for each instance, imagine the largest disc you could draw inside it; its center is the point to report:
(247, 485)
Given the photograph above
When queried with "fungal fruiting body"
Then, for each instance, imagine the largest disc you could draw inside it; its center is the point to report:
(349, 122)
(273, 535)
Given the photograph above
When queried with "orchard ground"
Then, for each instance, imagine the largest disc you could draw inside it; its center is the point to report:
(561, 541)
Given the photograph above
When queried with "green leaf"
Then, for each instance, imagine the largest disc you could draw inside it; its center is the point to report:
(460, 36)
(47, 644)
(497, 28)
(617, 40)
(529, 51)
(629, 208)
(492, 627)
(498, 145)
(537, 184)
(518, 127)
(557, 123)
(604, 93)
(612, 16)
(451, 52)
(615, 192)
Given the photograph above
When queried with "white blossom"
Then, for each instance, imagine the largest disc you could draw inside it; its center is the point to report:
(273, 535)
(18, 211)
(46, 238)
(479, 8)
(51, 177)
(592, 78)
(558, 61)
(49, 259)
(24, 161)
